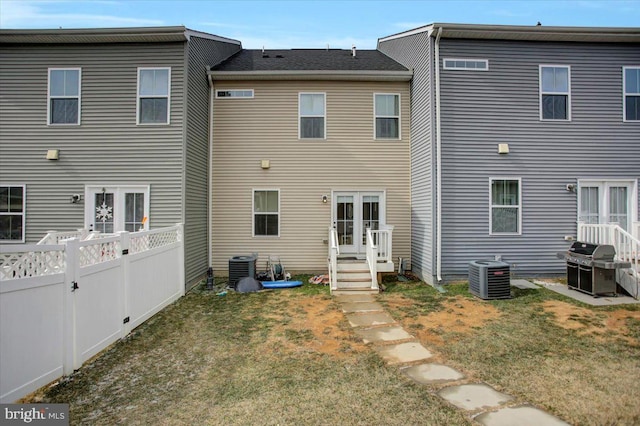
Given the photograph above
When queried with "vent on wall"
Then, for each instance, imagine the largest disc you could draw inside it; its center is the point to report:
(490, 279)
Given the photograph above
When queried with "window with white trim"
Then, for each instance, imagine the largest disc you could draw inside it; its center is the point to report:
(234, 94)
(154, 87)
(555, 92)
(266, 212)
(506, 208)
(12, 203)
(387, 115)
(465, 64)
(64, 96)
(631, 105)
(312, 122)
(110, 209)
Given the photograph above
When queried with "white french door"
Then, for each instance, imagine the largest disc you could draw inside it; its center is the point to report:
(110, 209)
(354, 212)
(607, 202)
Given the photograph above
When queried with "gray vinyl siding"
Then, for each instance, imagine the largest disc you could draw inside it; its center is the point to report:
(482, 109)
(416, 52)
(107, 148)
(202, 53)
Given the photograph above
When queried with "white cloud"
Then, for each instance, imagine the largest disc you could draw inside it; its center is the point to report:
(42, 14)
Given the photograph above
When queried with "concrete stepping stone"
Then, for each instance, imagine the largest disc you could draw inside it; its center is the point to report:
(403, 352)
(524, 284)
(370, 319)
(521, 416)
(361, 307)
(354, 298)
(383, 334)
(432, 373)
(474, 396)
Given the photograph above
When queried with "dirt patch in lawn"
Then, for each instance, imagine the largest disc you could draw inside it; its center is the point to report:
(313, 324)
(458, 315)
(603, 325)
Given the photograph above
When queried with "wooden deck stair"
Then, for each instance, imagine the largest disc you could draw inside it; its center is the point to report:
(353, 277)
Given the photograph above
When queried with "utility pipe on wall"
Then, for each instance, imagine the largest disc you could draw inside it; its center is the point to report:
(438, 165)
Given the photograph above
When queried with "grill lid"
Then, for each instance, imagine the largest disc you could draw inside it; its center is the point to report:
(585, 249)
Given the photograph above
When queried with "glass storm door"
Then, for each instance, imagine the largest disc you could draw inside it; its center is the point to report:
(114, 209)
(353, 213)
(606, 202)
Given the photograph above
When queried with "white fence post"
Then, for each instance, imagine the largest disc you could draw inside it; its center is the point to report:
(125, 245)
(72, 273)
(181, 283)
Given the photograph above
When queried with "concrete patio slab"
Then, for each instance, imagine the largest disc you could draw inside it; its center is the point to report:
(432, 373)
(370, 319)
(383, 334)
(403, 352)
(523, 284)
(352, 307)
(587, 298)
(354, 298)
(474, 396)
(522, 416)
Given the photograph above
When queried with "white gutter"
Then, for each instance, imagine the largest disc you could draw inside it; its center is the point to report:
(210, 173)
(438, 165)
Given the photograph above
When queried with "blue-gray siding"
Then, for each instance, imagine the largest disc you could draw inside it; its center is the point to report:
(416, 52)
(201, 54)
(482, 109)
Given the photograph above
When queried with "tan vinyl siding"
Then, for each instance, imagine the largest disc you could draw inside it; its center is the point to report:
(266, 127)
(107, 148)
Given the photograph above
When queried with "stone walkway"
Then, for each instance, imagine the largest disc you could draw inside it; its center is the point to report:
(479, 401)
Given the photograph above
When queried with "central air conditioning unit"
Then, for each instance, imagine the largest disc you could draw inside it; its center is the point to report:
(240, 267)
(490, 279)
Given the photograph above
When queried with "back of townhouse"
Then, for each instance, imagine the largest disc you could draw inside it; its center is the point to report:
(113, 105)
(563, 103)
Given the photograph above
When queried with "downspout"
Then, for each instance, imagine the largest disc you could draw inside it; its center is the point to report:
(210, 173)
(438, 166)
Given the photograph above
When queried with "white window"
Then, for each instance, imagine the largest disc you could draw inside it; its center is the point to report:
(154, 87)
(631, 101)
(607, 201)
(387, 115)
(266, 212)
(555, 92)
(234, 93)
(64, 96)
(312, 122)
(12, 203)
(506, 207)
(111, 209)
(465, 64)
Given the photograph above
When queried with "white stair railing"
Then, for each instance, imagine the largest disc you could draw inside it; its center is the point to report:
(372, 259)
(635, 230)
(334, 251)
(626, 245)
(383, 238)
(54, 237)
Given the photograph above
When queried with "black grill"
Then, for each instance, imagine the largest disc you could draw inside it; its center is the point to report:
(591, 268)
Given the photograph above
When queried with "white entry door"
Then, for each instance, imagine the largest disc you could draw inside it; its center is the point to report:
(110, 209)
(353, 213)
(607, 202)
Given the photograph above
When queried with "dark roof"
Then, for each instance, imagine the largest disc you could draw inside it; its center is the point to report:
(309, 60)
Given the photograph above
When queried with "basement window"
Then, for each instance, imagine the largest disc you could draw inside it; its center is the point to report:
(234, 93)
(466, 64)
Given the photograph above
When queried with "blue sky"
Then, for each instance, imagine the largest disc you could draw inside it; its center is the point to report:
(312, 24)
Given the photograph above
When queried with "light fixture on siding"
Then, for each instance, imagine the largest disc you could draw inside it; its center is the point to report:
(325, 199)
(53, 154)
(265, 164)
(503, 148)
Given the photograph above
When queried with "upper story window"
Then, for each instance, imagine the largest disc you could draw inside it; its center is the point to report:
(465, 64)
(238, 94)
(312, 122)
(387, 116)
(64, 96)
(631, 107)
(555, 92)
(266, 212)
(506, 208)
(12, 200)
(154, 87)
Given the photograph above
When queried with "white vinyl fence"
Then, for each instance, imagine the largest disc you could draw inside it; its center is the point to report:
(62, 304)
